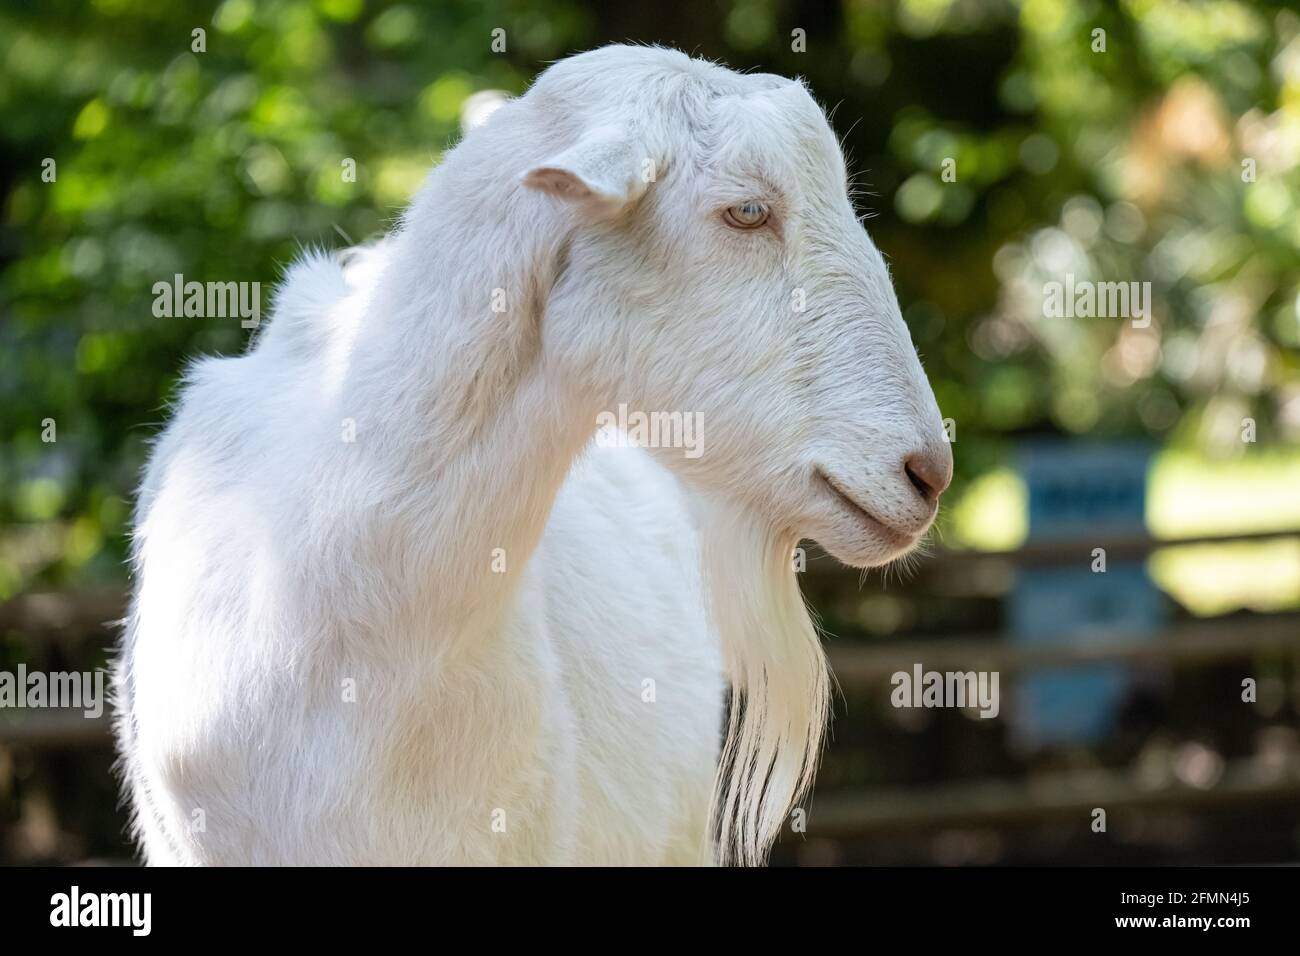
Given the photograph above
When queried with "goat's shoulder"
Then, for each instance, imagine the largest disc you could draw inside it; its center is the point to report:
(309, 301)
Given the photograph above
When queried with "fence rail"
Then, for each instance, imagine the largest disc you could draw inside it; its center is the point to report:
(100, 611)
(65, 613)
(1197, 642)
(993, 802)
(1060, 551)
(81, 617)
(55, 728)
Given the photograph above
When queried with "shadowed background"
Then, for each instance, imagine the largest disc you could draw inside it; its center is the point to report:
(998, 146)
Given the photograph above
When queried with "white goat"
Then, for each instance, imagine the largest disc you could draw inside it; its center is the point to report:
(393, 603)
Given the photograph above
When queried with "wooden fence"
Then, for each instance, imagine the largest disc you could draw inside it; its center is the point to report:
(75, 621)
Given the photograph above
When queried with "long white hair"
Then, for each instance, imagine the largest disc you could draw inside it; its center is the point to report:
(780, 699)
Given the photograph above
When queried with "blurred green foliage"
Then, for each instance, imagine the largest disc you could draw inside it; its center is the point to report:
(220, 163)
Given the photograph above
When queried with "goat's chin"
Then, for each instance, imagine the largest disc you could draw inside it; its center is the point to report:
(857, 530)
(860, 546)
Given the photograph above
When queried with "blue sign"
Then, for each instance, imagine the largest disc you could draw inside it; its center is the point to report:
(1081, 493)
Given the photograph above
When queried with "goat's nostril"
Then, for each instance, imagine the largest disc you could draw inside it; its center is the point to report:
(917, 481)
(929, 474)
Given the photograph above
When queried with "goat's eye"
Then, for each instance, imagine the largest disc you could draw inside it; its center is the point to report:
(749, 215)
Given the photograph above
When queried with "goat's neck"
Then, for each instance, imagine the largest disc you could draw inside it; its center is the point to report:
(473, 431)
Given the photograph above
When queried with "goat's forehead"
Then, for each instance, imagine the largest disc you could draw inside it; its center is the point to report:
(619, 77)
(755, 120)
(781, 129)
(623, 63)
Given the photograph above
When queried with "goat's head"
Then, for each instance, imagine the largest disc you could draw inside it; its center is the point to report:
(717, 269)
(710, 264)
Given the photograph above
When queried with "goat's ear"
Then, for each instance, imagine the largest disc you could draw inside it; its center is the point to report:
(602, 171)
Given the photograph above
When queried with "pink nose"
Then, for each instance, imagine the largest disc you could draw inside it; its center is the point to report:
(929, 471)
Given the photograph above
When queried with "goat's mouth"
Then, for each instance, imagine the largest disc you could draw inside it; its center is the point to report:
(886, 532)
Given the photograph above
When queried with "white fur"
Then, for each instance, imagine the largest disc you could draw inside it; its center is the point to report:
(503, 717)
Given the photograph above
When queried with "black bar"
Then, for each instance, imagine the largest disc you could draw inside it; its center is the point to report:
(462, 908)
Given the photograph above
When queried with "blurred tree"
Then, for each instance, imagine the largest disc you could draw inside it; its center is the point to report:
(998, 146)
